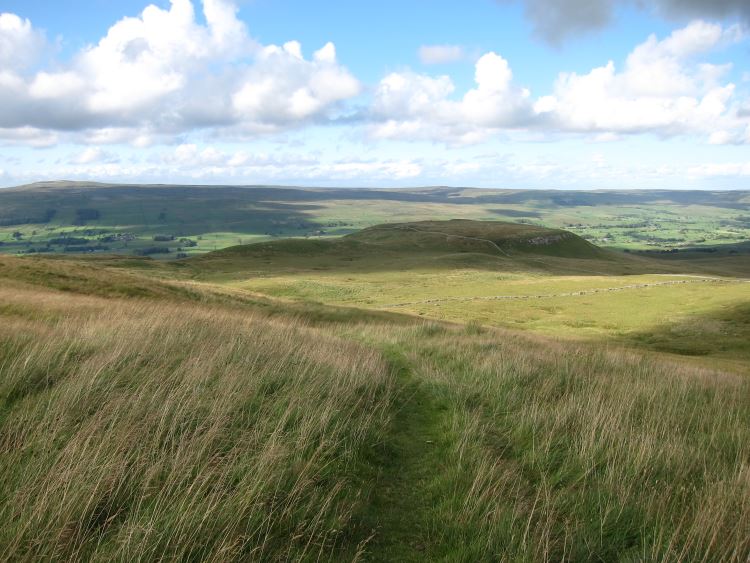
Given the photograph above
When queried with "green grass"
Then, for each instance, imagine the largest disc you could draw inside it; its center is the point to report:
(407, 466)
(149, 430)
(488, 272)
(554, 453)
(270, 402)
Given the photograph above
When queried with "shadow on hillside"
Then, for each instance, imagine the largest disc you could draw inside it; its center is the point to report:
(722, 333)
(152, 200)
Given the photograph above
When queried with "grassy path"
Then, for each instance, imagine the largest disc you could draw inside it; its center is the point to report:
(410, 465)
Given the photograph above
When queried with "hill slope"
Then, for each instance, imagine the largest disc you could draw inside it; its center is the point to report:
(489, 237)
(434, 244)
(193, 425)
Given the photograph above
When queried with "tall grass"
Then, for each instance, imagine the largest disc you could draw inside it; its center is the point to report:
(192, 425)
(559, 452)
(139, 431)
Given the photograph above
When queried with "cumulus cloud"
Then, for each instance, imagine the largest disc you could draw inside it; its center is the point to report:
(20, 43)
(164, 72)
(661, 89)
(283, 87)
(410, 105)
(440, 54)
(664, 88)
(556, 20)
(170, 71)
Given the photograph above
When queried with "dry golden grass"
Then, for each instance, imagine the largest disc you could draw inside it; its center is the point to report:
(144, 430)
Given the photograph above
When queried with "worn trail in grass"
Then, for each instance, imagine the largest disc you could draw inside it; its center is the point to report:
(410, 464)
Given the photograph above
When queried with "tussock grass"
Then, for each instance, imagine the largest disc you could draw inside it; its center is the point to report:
(137, 430)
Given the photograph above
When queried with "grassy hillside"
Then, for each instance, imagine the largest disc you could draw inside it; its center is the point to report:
(491, 245)
(190, 420)
(166, 221)
(510, 275)
(487, 237)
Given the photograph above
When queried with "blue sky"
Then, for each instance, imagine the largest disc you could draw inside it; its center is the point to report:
(581, 94)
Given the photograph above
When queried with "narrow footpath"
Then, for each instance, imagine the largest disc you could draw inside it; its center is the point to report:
(409, 462)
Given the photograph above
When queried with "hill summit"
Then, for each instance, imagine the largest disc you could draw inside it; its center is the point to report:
(489, 237)
(445, 244)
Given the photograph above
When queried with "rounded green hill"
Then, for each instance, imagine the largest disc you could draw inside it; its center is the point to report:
(489, 237)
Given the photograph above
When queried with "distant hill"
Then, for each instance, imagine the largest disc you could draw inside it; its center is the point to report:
(434, 245)
(490, 237)
(137, 219)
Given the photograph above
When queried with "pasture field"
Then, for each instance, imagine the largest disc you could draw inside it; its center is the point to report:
(656, 311)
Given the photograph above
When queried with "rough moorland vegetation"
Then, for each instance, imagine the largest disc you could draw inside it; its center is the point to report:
(145, 418)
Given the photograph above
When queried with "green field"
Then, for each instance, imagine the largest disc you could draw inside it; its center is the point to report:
(65, 217)
(415, 391)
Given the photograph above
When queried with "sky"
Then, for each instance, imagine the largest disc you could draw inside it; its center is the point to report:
(568, 94)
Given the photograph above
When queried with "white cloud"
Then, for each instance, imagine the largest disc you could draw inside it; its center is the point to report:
(592, 167)
(20, 43)
(440, 54)
(207, 164)
(283, 87)
(660, 90)
(189, 155)
(30, 136)
(169, 72)
(417, 106)
(663, 88)
(719, 169)
(164, 72)
(93, 155)
(200, 162)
